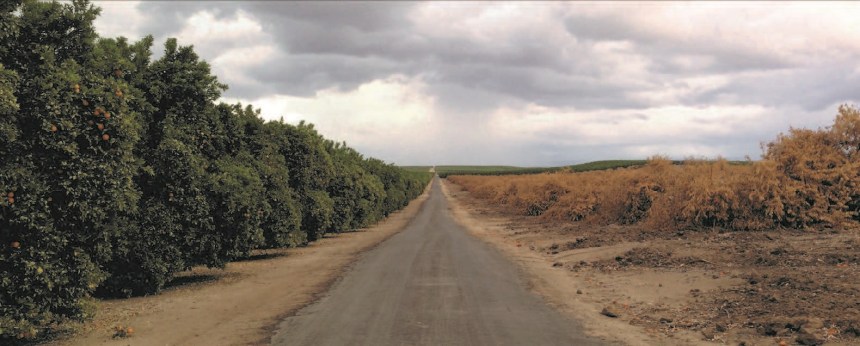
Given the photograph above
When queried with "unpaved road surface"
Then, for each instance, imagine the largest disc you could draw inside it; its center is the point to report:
(431, 284)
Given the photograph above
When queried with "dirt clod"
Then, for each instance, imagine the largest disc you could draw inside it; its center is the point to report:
(610, 311)
(808, 340)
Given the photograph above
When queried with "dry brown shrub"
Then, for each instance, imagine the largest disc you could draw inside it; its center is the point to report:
(651, 194)
(805, 178)
(576, 206)
(759, 197)
(846, 133)
(819, 172)
(712, 196)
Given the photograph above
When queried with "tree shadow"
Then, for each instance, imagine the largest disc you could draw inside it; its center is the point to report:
(262, 256)
(186, 280)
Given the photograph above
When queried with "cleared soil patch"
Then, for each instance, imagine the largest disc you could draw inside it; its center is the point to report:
(242, 304)
(688, 286)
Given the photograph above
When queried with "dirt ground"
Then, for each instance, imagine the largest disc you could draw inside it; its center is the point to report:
(242, 304)
(638, 286)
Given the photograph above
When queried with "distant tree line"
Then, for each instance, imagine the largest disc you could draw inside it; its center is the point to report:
(118, 171)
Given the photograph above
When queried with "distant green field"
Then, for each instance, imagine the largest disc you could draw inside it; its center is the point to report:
(447, 170)
(417, 168)
(606, 164)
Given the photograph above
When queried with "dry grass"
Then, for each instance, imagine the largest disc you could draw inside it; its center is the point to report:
(805, 178)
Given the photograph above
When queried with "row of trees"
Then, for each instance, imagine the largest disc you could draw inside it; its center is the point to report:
(118, 171)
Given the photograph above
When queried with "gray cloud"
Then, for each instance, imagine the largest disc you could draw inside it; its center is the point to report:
(343, 45)
(723, 57)
(543, 86)
(304, 74)
(568, 60)
(363, 16)
(166, 18)
(812, 88)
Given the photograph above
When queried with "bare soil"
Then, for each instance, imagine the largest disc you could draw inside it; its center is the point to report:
(242, 304)
(688, 286)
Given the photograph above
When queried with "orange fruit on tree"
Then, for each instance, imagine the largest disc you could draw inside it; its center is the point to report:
(107, 115)
(77, 88)
(117, 72)
(101, 126)
(118, 93)
(10, 194)
(105, 137)
(53, 128)
(11, 200)
(15, 245)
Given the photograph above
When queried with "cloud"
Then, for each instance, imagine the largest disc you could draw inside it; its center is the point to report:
(379, 118)
(815, 87)
(524, 83)
(120, 19)
(167, 18)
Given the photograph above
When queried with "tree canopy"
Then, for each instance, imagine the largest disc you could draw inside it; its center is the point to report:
(118, 171)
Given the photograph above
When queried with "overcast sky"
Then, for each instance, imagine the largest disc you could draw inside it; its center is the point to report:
(525, 84)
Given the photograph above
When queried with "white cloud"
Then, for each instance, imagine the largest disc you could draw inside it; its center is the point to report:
(628, 127)
(673, 92)
(392, 118)
(521, 83)
(204, 27)
(231, 65)
(120, 18)
(233, 44)
(795, 31)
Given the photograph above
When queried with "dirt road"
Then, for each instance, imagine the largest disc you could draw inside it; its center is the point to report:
(431, 284)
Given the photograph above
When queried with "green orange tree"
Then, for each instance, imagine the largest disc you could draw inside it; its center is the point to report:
(356, 194)
(67, 180)
(311, 170)
(173, 225)
(117, 171)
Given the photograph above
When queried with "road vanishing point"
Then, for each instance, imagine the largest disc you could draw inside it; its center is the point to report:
(431, 284)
